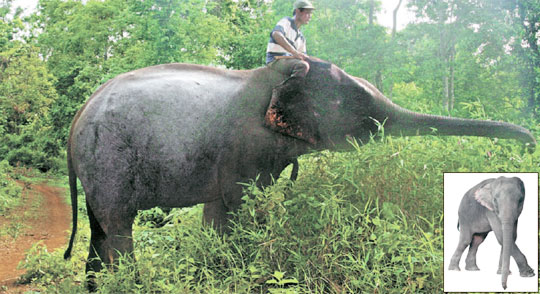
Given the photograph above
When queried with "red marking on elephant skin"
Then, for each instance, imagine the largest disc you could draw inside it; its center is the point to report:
(276, 122)
(273, 120)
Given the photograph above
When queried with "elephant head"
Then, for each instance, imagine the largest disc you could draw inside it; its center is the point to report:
(504, 197)
(329, 106)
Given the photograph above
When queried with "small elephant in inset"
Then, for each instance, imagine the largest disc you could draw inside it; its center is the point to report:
(492, 205)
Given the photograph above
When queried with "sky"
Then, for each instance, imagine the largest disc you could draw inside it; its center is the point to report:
(384, 18)
(404, 16)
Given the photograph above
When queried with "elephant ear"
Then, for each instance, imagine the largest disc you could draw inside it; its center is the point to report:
(291, 113)
(484, 196)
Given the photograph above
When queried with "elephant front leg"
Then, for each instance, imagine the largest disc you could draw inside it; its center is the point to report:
(215, 213)
(470, 261)
(524, 269)
(499, 269)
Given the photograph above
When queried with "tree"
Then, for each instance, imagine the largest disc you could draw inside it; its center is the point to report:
(394, 18)
(26, 93)
(340, 32)
(527, 25)
(471, 36)
(444, 14)
(250, 23)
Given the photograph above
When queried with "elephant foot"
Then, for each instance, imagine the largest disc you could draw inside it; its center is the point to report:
(527, 273)
(454, 267)
(499, 271)
(91, 284)
(473, 267)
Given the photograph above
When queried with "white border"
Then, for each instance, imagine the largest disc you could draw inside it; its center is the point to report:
(455, 186)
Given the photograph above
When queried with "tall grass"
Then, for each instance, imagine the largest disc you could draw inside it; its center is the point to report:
(365, 221)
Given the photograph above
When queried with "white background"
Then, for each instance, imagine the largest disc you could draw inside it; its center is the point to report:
(487, 279)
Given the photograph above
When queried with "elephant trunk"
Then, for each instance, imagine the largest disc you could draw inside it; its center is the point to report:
(405, 122)
(507, 228)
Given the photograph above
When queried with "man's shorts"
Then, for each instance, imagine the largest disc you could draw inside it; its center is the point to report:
(290, 67)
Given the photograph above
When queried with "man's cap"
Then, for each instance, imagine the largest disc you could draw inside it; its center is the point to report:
(303, 4)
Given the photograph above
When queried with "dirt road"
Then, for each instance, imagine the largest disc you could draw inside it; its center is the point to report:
(44, 216)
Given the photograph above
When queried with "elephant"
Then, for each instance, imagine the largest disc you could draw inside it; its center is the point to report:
(492, 205)
(176, 135)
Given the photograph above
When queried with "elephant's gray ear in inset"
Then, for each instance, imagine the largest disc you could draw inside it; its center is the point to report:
(484, 196)
(291, 113)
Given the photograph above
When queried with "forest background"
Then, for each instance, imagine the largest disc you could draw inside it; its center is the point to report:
(465, 58)
(462, 58)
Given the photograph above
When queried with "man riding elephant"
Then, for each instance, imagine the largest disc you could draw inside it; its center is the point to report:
(286, 54)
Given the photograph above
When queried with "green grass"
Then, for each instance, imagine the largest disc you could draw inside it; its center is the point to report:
(365, 221)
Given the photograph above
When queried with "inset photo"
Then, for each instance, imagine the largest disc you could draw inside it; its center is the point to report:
(491, 232)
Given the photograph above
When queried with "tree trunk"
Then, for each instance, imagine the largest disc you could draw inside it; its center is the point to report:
(446, 89)
(532, 55)
(371, 11)
(443, 42)
(451, 96)
(394, 19)
(394, 30)
(379, 80)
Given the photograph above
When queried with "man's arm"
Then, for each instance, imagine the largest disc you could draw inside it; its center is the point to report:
(280, 39)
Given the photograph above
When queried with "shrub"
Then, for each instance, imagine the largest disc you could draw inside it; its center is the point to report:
(10, 192)
(42, 266)
(366, 221)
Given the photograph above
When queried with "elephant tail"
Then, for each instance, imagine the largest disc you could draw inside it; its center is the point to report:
(294, 172)
(73, 193)
(458, 225)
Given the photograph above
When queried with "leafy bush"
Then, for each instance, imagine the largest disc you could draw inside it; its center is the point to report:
(10, 192)
(50, 271)
(369, 220)
(33, 148)
(153, 218)
(43, 266)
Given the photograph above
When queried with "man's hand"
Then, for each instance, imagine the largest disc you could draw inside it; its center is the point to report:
(280, 39)
(299, 55)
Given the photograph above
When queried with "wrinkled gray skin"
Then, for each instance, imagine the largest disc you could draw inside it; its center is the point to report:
(492, 205)
(177, 135)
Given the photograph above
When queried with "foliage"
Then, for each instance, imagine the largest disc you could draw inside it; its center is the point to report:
(51, 271)
(10, 192)
(53, 60)
(369, 220)
(250, 23)
(26, 93)
(44, 267)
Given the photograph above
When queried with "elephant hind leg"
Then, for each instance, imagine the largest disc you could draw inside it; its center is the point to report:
(97, 240)
(107, 247)
(470, 261)
(465, 238)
